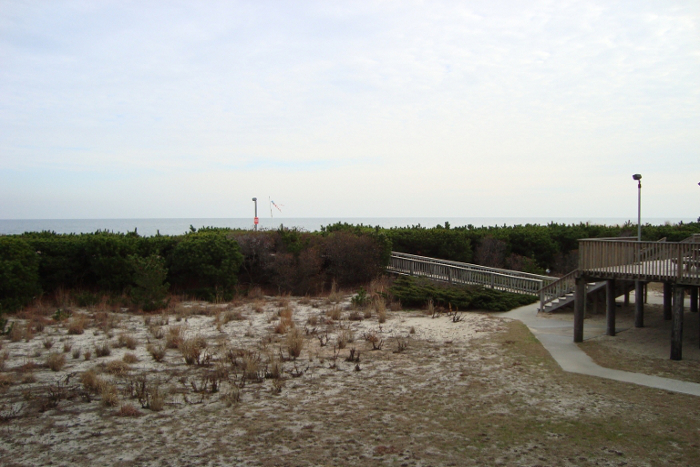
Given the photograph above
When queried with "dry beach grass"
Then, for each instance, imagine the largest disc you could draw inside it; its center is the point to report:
(294, 381)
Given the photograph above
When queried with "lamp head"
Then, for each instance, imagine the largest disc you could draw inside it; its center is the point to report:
(637, 176)
(255, 199)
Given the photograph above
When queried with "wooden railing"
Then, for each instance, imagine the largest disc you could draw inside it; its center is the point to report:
(455, 272)
(648, 261)
(557, 289)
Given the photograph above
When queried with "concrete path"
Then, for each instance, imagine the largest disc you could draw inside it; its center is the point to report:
(557, 337)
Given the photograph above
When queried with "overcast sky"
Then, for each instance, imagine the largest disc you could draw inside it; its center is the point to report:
(119, 109)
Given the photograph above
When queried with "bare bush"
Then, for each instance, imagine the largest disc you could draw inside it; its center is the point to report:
(295, 343)
(174, 337)
(193, 351)
(156, 351)
(56, 361)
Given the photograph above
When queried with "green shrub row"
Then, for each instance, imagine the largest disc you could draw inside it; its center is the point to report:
(415, 291)
(206, 263)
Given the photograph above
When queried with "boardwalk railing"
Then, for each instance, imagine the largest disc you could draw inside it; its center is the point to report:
(647, 261)
(557, 289)
(455, 272)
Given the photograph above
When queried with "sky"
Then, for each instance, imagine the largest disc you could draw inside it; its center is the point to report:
(162, 109)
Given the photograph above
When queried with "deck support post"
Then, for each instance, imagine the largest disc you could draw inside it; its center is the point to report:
(668, 299)
(610, 308)
(677, 324)
(694, 300)
(627, 298)
(638, 304)
(579, 308)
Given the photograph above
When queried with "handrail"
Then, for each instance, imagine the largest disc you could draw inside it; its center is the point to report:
(647, 261)
(557, 289)
(456, 272)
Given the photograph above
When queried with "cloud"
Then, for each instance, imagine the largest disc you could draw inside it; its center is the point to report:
(387, 108)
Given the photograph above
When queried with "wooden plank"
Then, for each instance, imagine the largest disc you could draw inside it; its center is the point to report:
(677, 324)
(579, 308)
(610, 308)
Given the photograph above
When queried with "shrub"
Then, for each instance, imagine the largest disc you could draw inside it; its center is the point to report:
(130, 358)
(156, 351)
(150, 289)
(127, 341)
(128, 410)
(102, 350)
(192, 350)
(118, 367)
(174, 337)
(19, 274)
(56, 361)
(77, 325)
(91, 382)
(109, 394)
(295, 343)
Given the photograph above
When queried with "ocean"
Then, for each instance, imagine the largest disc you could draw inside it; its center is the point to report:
(149, 227)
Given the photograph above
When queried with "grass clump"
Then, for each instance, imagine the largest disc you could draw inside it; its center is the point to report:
(56, 361)
(295, 343)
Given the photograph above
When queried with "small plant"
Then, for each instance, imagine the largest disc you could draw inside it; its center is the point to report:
(117, 367)
(193, 351)
(130, 358)
(174, 337)
(277, 386)
(128, 410)
(126, 341)
(61, 314)
(375, 340)
(67, 346)
(354, 356)
(91, 382)
(361, 299)
(401, 345)
(156, 351)
(232, 397)
(381, 316)
(355, 316)
(156, 331)
(109, 394)
(77, 325)
(334, 313)
(103, 350)
(56, 361)
(87, 354)
(295, 342)
(323, 339)
(76, 353)
(274, 369)
(432, 311)
(251, 366)
(334, 296)
(312, 320)
(48, 343)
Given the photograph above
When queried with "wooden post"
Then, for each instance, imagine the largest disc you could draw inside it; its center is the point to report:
(677, 324)
(449, 274)
(638, 305)
(694, 300)
(668, 300)
(579, 308)
(610, 308)
(627, 298)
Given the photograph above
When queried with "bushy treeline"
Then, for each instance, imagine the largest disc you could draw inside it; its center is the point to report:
(207, 263)
(530, 248)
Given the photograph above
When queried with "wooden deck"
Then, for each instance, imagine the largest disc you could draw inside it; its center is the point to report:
(675, 264)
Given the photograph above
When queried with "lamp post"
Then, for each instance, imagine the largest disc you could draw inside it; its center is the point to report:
(255, 200)
(638, 285)
(638, 177)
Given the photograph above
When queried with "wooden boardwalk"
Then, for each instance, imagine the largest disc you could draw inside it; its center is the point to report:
(455, 272)
(675, 264)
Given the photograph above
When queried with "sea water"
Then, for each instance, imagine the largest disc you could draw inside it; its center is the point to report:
(149, 227)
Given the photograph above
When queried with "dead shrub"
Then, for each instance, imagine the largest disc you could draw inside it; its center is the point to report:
(77, 324)
(312, 320)
(174, 337)
(233, 315)
(355, 316)
(6, 380)
(345, 336)
(17, 331)
(56, 361)
(334, 296)
(87, 354)
(127, 341)
(156, 331)
(117, 367)
(156, 351)
(374, 339)
(4, 357)
(295, 343)
(76, 353)
(130, 358)
(232, 397)
(251, 367)
(274, 369)
(284, 325)
(259, 306)
(193, 350)
(128, 410)
(91, 382)
(67, 346)
(110, 396)
(381, 316)
(334, 313)
(47, 343)
(103, 349)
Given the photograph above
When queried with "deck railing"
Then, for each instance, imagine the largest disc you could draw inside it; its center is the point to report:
(456, 272)
(648, 261)
(557, 289)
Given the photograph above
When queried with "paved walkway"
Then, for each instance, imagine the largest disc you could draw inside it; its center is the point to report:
(557, 337)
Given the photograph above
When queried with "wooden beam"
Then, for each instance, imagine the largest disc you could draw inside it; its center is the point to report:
(579, 308)
(610, 308)
(668, 300)
(677, 324)
(638, 304)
